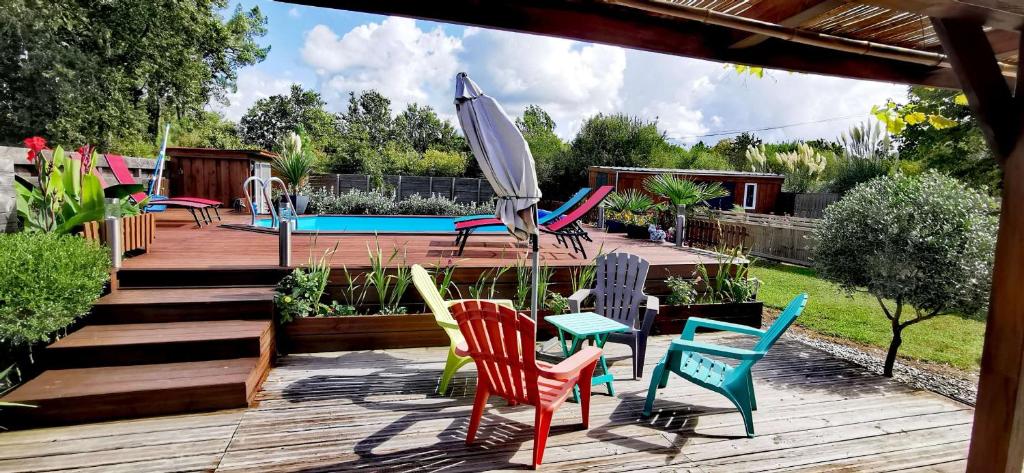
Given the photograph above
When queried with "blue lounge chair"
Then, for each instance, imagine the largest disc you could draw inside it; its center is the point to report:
(687, 358)
(543, 216)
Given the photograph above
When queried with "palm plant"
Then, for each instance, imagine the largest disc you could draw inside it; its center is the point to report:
(683, 194)
(295, 164)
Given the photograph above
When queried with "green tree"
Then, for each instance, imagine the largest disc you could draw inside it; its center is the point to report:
(421, 129)
(958, 150)
(546, 147)
(608, 140)
(273, 118)
(109, 72)
(734, 150)
(206, 130)
(368, 118)
(440, 163)
(923, 243)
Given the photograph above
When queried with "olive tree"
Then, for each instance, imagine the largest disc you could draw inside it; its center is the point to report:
(923, 246)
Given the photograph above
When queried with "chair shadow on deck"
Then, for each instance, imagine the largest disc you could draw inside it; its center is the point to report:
(499, 438)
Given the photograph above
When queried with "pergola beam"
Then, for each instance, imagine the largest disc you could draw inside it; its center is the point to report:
(603, 22)
(997, 436)
(790, 13)
(974, 61)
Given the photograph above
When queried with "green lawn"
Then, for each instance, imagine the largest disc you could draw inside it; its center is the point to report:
(949, 339)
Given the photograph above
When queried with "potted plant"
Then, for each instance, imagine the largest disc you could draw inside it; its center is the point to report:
(631, 211)
(683, 195)
(615, 206)
(728, 295)
(294, 166)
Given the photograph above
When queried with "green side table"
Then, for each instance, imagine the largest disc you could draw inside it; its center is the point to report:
(587, 326)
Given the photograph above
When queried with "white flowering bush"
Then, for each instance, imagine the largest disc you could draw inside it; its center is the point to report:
(924, 246)
(802, 167)
(375, 202)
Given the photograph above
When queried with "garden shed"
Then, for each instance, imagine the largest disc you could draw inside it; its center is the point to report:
(752, 191)
(214, 173)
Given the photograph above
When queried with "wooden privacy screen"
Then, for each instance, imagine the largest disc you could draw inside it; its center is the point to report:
(137, 232)
(711, 234)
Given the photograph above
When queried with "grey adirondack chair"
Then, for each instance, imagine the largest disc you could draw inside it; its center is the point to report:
(619, 295)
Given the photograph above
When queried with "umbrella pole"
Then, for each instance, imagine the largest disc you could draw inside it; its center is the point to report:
(535, 276)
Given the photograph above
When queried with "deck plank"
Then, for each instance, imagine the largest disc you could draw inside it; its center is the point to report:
(376, 410)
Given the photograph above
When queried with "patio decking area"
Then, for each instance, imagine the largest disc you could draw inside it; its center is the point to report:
(181, 245)
(376, 411)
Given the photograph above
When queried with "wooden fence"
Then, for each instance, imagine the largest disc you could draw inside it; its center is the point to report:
(461, 189)
(788, 239)
(812, 205)
(137, 232)
(712, 234)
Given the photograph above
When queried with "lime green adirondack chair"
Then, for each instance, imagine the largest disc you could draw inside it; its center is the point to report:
(428, 291)
(686, 358)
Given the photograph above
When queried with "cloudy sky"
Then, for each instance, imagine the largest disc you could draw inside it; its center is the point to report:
(335, 52)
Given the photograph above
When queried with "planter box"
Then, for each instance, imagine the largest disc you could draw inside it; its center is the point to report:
(137, 232)
(615, 226)
(671, 319)
(360, 332)
(638, 232)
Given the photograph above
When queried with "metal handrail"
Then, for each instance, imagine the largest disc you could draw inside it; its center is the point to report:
(262, 192)
(268, 187)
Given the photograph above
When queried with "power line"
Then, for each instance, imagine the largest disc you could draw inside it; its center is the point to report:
(767, 128)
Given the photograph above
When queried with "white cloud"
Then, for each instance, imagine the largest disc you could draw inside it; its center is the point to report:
(568, 79)
(673, 88)
(252, 86)
(294, 12)
(395, 57)
(573, 80)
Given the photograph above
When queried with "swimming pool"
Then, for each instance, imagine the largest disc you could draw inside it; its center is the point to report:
(377, 224)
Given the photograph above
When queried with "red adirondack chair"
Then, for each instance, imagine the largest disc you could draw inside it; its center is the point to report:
(502, 343)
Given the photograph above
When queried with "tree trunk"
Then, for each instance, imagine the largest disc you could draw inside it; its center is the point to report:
(894, 346)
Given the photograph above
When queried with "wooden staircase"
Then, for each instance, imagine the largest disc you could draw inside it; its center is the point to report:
(154, 351)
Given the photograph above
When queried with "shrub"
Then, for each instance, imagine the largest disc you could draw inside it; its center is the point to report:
(924, 242)
(437, 205)
(731, 283)
(681, 291)
(299, 294)
(48, 281)
(440, 163)
(355, 202)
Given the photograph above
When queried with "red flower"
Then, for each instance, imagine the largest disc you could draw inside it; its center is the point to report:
(85, 155)
(34, 144)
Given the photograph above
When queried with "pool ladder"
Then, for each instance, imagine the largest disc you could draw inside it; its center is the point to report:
(265, 189)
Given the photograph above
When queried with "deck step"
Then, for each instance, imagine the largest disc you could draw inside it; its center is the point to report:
(128, 306)
(78, 395)
(147, 343)
(203, 277)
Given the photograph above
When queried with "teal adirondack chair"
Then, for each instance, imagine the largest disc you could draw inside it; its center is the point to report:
(687, 358)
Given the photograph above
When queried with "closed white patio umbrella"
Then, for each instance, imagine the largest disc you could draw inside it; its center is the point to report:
(506, 162)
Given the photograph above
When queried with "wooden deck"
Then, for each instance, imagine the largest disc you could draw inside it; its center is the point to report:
(181, 245)
(375, 411)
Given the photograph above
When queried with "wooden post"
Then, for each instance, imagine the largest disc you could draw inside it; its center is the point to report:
(997, 437)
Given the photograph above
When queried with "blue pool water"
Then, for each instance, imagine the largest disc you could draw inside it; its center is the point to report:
(378, 224)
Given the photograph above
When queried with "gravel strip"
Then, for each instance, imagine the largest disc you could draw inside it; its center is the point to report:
(960, 389)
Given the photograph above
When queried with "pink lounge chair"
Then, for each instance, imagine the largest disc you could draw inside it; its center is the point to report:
(566, 229)
(502, 343)
(192, 204)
